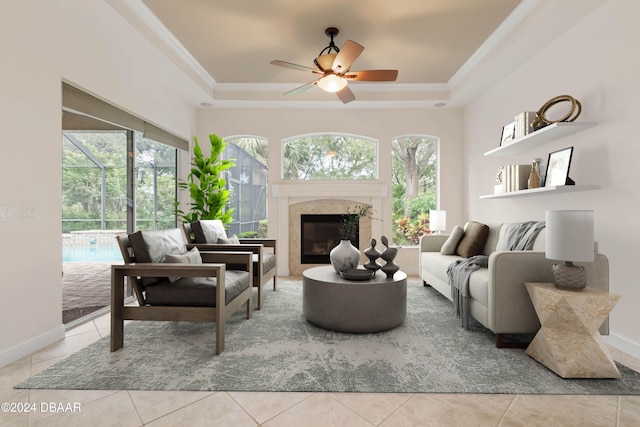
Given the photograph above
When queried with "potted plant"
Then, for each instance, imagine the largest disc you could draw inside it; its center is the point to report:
(345, 256)
(206, 185)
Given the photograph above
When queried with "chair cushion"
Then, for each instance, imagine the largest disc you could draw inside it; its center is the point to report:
(473, 240)
(208, 231)
(196, 291)
(268, 261)
(154, 245)
(191, 257)
(233, 240)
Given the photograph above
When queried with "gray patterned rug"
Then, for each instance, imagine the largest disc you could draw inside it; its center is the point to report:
(277, 350)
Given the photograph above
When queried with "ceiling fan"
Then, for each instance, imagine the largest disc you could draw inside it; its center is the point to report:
(334, 69)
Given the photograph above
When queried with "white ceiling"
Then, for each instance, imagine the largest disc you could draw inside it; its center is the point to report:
(228, 45)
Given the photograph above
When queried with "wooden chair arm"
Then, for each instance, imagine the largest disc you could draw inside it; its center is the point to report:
(204, 247)
(267, 243)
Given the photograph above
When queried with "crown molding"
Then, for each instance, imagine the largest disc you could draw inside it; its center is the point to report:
(148, 18)
(318, 105)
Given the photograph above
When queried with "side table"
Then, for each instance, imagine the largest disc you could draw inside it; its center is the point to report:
(568, 341)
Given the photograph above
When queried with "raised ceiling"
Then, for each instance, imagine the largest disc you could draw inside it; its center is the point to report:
(234, 41)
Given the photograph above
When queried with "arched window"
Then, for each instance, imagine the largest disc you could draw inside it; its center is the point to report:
(415, 186)
(329, 156)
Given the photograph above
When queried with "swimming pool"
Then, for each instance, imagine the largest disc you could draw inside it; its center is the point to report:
(91, 254)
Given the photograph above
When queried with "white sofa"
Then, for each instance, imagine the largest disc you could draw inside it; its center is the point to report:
(497, 296)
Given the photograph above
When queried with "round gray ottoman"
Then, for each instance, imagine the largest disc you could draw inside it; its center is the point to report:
(333, 303)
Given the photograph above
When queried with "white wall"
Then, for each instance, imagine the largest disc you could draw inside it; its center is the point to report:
(383, 125)
(595, 61)
(42, 43)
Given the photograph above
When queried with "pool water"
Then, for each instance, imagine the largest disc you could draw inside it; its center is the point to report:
(91, 254)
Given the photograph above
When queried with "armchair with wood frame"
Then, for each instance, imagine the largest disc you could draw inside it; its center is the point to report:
(210, 235)
(173, 284)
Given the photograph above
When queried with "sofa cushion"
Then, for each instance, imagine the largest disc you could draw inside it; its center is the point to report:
(196, 291)
(191, 257)
(208, 231)
(473, 240)
(449, 247)
(437, 263)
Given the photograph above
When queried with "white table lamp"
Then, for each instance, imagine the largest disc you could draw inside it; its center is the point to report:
(570, 239)
(437, 221)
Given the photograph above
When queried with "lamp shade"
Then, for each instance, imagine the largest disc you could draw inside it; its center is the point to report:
(569, 235)
(437, 220)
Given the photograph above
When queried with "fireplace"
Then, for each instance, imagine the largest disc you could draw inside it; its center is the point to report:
(318, 235)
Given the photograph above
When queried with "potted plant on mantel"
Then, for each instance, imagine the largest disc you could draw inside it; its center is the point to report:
(345, 256)
(206, 185)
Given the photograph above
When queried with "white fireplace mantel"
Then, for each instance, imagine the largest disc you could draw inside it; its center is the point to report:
(287, 194)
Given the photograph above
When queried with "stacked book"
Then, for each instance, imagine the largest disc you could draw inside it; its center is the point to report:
(523, 124)
(516, 177)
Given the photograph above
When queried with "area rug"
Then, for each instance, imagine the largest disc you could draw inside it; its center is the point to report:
(278, 350)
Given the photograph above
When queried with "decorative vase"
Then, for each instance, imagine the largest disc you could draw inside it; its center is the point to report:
(344, 256)
(389, 255)
(373, 254)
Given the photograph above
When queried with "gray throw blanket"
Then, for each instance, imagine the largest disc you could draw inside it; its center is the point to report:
(459, 272)
(521, 236)
(518, 237)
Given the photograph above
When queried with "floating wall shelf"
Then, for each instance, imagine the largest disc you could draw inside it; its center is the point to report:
(540, 137)
(538, 191)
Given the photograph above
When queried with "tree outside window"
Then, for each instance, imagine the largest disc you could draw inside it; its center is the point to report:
(415, 184)
(329, 156)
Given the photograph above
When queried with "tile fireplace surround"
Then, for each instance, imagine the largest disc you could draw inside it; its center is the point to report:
(295, 199)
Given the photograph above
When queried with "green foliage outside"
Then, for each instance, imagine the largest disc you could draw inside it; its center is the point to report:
(82, 182)
(414, 168)
(206, 185)
(329, 156)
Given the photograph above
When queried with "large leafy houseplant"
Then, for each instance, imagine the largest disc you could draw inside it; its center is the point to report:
(207, 187)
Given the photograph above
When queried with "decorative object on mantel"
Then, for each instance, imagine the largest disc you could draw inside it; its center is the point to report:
(345, 256)
(541, 121)
(558, 168)
(389, 255)
(373, 254)
(570, 237)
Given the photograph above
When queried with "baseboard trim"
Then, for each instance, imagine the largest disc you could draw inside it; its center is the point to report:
(623, 343)
(33, 344)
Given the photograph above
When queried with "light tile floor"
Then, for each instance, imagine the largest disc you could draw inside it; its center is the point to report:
(238, 409)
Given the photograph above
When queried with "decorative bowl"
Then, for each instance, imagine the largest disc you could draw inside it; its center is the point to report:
(357, 274)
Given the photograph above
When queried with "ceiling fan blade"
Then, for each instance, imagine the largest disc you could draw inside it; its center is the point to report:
(345, 95)
(301, 88)
(373, 75)
(348, 53)
(294, 66)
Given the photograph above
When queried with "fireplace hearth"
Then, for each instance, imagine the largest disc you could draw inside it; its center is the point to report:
(318, 235)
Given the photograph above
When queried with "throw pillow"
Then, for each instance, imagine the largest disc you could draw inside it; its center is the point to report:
(449, 247)
(208, 231)
(153, 245)
(191, 257)
(473, 240)
(233, 240)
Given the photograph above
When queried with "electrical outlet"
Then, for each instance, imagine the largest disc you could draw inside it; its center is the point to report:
(6, 213)
(29, 214)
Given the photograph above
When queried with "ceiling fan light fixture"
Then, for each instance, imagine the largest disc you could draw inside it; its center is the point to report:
(332, 83)
(325, 62)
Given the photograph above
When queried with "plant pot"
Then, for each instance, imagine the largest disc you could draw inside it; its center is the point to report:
(344, 256)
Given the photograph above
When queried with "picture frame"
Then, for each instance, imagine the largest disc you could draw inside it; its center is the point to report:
(508, 133)
(558, 168)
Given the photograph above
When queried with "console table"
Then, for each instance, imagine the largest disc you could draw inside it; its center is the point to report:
(568, 341)
(337, 304)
